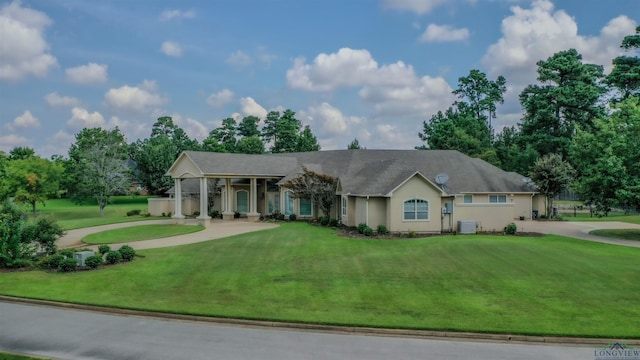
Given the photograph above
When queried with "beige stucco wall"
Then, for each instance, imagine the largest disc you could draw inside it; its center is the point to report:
(158, 206)
(522, 205)
(184, 166)
(377, 212)
(538, 204)
(415, 188)
(489, 217)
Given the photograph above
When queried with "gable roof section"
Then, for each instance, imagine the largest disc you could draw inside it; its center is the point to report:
(367, 172)
(239, 165)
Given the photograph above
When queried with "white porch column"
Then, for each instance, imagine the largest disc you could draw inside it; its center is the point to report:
(253, 200)
(227, 214)
(177, 212)
(204, 200)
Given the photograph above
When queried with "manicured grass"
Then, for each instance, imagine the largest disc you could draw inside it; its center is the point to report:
(74, 216)
(547, 285)
(138, 233)
(626, 234)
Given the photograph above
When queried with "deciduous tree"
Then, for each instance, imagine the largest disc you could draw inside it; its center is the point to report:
(319, 188)
(551, 175)
(98, 166)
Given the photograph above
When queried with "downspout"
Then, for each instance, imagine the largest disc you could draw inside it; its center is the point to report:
(366, 212)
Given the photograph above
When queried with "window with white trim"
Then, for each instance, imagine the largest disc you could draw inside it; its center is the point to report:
(242, 201)
(289, 203)
(415, 209)
(305, 207)
(497, 199)
(344, 206)
(468, 199)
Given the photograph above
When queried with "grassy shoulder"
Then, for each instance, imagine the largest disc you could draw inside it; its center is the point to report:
(74, 216)
(625, 234)
(139, 233)
(9, 356)
(547, 285)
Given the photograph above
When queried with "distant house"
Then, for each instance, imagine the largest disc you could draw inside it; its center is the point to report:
(424, 191)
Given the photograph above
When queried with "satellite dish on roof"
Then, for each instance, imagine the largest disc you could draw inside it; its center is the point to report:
(441, 178)
(526, 180)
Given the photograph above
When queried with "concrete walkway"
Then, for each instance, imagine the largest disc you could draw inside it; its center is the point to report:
(217, 229)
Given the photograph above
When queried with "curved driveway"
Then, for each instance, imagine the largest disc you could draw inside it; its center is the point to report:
(216, 230)
(579, 230)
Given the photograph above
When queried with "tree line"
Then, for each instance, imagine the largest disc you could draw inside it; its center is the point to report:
(101, 164)
(580, 127)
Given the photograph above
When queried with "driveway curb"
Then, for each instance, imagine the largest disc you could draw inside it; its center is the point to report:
(355, 330)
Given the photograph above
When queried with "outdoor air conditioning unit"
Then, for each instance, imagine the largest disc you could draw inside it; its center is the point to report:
(81, 256)
(467, 227)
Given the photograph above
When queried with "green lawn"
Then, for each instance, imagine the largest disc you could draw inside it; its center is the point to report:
(74, 216)
(545, 285)
(625, 234)
(138, 233)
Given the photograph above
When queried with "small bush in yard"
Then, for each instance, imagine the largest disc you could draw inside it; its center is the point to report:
(93, 261)
(292, 217)
(52, 261)
(323, 220)
(361, 228)
(510, 229)
(367, 231)
(127, 252)
(103, 249)
(67, 253)
(133, 212)
(113, 257)
(68, 265)
(382, 230)
(334, 222)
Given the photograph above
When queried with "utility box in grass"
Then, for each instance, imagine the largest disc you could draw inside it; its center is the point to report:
(81, 256)
(467, 227)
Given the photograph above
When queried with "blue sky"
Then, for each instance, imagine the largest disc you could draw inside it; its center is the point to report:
(367, 69)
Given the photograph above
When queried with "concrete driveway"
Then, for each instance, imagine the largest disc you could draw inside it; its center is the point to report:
(216, 230)
(579, 230)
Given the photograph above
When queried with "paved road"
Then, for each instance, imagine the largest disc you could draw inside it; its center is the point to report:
(75, 334)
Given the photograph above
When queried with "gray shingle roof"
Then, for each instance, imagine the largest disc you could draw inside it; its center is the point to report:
(370, 172)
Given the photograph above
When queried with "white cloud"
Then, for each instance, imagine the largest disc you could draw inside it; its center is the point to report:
(23, 49)
(346, 68)
(53, 99)
(239, 59)
(26, 121)
(91, 73)
(330, 119)
(536, 33)
(393, 89)
(177, 14)
(8, 142)
(81, 118)
(219, 99)
(194, 128)
(250, 107)
(444, 33)
(171, 48)
(135, 99)
(418, 6)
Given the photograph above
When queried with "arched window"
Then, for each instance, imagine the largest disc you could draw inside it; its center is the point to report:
(242, 201)
(415, 209)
